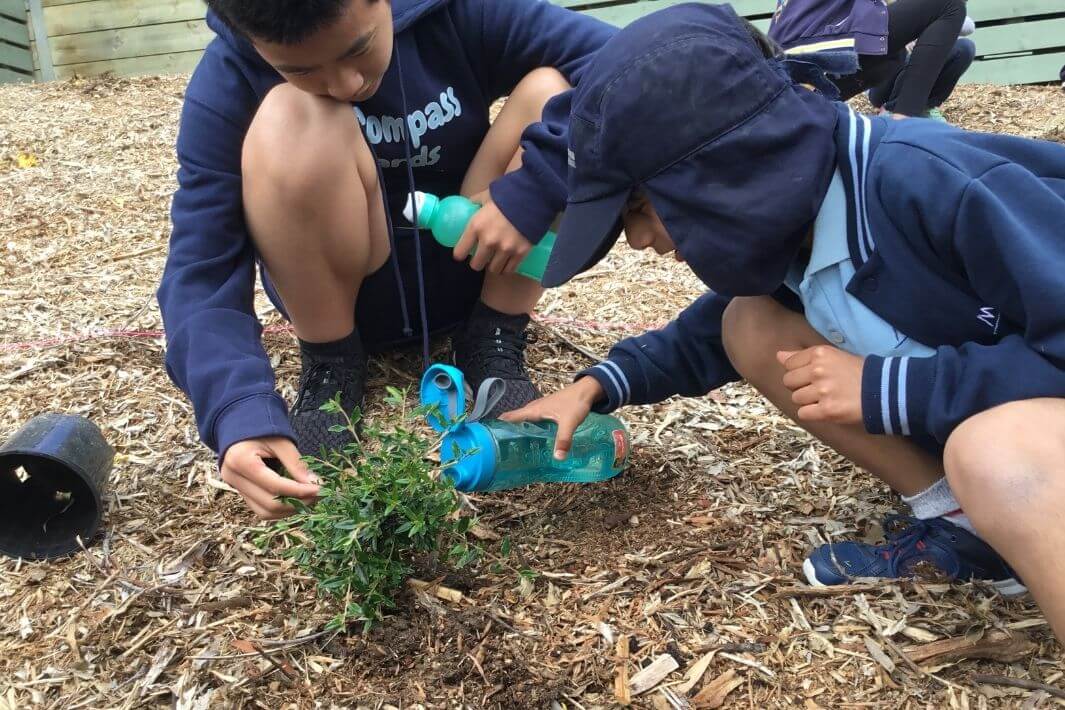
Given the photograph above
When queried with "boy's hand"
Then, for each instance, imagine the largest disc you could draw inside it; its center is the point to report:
(244, 467)
(568, 408)
(825, 382)
(500, 246)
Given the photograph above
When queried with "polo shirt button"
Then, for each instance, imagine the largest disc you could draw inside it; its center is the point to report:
(836, 337)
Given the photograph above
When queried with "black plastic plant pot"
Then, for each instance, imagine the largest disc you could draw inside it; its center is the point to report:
(53, 474)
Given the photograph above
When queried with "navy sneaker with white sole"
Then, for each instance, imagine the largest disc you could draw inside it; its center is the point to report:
(934, 549)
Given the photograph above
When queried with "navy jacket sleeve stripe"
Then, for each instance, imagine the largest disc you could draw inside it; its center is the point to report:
(686, 357)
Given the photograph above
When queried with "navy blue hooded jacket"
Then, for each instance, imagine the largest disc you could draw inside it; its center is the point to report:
(452, 59)
(958, 240)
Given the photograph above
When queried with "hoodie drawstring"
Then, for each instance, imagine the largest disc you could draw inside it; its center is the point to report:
(414, 217)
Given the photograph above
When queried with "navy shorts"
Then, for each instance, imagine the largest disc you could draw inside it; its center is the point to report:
(452, 288)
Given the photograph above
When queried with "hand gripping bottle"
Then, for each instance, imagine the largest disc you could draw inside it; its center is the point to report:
(494, 455)
(446, 219)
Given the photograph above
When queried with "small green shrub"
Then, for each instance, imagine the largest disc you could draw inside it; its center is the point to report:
(381, 505)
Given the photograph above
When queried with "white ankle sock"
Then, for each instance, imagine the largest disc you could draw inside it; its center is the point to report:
(938, 501)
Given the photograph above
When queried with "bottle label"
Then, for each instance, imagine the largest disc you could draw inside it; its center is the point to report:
(621, 448)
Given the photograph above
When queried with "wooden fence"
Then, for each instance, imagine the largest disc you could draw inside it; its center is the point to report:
(16, 62)
(1018, 41)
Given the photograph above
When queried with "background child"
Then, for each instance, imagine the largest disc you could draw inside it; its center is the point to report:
(885, 95)
(304, 129)
(879, 33)
(915, 323)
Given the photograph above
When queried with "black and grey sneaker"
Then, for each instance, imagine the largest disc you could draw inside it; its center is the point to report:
(492, 344)
(328, 368)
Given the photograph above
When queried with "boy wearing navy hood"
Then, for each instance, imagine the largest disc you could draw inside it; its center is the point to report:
(305, 128)
(897, 287)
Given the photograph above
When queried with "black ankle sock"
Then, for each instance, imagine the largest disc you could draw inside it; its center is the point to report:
(350, 344)
(482, 313)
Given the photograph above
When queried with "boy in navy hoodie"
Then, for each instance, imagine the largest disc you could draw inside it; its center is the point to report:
(305, 128)
(897, 287)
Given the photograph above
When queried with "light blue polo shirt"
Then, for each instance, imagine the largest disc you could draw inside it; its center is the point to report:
(821, 285)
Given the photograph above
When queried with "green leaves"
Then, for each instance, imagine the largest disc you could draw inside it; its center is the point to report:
(379, 507)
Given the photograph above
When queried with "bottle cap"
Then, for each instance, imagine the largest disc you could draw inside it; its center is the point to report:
(426, 205)
(445, 387)
(468, 455)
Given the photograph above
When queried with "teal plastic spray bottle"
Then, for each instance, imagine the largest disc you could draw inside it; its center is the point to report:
(494, 455)
(446, 218)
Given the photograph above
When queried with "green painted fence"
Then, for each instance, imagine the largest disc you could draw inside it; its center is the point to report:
(1018, 41)
(16, 61)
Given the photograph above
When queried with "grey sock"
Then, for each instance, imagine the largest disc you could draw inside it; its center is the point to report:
(938, 501)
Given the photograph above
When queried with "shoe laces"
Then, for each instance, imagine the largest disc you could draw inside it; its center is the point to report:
(500, 353)
(315, 379)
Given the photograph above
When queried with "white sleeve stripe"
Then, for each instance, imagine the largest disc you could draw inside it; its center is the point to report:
(867, 124)
(613, 382)
(625, 389)
(852, 134)
(885, 403)
(904, 419)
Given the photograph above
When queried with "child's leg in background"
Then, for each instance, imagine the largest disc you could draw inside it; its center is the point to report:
(961, 58)
(1007, 466)
(935, 25)
(500, 153)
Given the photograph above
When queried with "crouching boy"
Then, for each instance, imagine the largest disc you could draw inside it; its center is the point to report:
(897, 287)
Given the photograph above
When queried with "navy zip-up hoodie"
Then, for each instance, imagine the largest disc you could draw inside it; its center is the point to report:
(457, 57)
(958, 239)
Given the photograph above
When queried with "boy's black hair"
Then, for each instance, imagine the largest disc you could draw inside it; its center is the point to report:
(769, 47)
(279, 21)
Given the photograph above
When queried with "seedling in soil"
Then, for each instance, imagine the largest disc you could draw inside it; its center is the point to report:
(382, 505)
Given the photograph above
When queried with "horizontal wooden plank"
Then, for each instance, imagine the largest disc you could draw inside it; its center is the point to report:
(980, 10)
(15, 57)
(1021, 37)
(14, 32)
(13, 8)
(742, 7)
(1026, 69)
(8, 77)
(990, 10)
(172, 63)
(621, 15)
(116, 14)
(130, 42)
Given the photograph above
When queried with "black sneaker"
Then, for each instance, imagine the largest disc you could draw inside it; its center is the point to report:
(492, 344)
(328, 368)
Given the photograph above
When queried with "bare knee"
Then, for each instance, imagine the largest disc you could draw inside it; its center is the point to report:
(1004, 457)
(749, 332)
(537, 87)
(298, 145)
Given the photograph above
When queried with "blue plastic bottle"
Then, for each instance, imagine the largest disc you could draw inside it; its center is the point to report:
(494, 455)
(446, 218)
